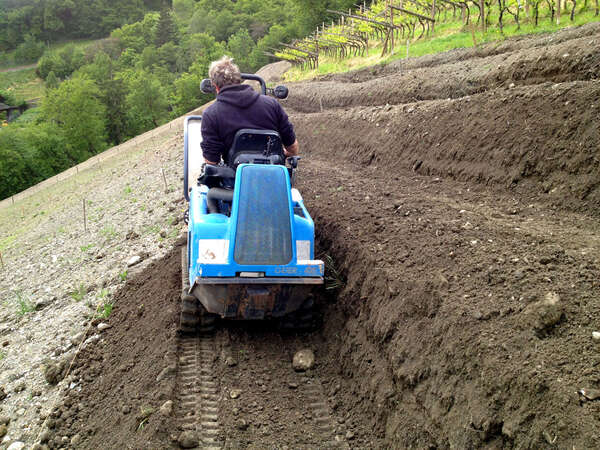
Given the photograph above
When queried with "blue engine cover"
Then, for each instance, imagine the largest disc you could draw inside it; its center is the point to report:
(263, 231)
(268, 234)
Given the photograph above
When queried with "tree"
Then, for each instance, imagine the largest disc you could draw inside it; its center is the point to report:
(241, 46)
(51, 81)
(76, 109)
(166, 31)
(30, 50)
(147, 104)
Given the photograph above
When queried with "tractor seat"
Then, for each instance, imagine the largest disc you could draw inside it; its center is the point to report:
(252, 146)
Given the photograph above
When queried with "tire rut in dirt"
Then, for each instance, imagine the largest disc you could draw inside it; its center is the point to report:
(197, 393)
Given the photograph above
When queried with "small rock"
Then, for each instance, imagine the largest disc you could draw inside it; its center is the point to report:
(134, 260)
(16, 446)
(235, 393)
(2, 393)
(3, 430)
(166, 372)
(350, 435)
(590, 394)
(5, 344)
(76, 340)
(45, 436)
(230, 361)
(54, 371)
(167, 408)
(126, 409)
(103, 326)
(4, 420)
(511, 85)
(242, 425)
(188, 439)
(20, 387)
(596, 335)
(543, 315)
(163, 234)
(131, 235)
(293, 385)
(76, 440)
(303, 360)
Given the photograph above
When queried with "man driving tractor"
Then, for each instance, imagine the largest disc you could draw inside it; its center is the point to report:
(239, 106)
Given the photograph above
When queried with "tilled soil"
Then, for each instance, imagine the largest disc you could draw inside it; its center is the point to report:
(461, 238)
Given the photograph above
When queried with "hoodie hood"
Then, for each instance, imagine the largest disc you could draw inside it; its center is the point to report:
(240, 95)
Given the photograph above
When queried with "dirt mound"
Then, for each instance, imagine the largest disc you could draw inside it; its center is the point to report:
(467, 321)
(115, 395)
(540, 141)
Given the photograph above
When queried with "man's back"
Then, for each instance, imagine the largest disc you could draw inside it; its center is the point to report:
(239, 106)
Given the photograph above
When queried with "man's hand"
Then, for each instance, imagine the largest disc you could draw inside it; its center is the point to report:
(292, 150)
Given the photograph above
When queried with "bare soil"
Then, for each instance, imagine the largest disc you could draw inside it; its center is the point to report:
(459, 219)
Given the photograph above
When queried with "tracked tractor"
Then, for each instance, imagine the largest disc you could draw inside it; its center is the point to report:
(250, 240)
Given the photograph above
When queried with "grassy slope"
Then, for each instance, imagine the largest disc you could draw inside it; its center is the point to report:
(448, 36)
(24, 83)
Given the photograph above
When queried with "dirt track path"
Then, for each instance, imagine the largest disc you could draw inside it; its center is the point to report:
(17, 69)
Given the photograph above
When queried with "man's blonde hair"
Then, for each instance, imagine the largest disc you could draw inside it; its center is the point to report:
(224, 72)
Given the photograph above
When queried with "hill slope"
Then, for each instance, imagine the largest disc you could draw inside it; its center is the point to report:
(460, 216)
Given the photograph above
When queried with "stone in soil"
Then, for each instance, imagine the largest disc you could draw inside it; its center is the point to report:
(3, 430)
(54, 371)
(16, 446)
(303, 360)
(235, 393)
(544, 315)
(167, 408)
(134, 260)
(596, 335)
(2, 393)
(188, 439)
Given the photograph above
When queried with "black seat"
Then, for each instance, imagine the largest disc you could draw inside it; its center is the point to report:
(255, 147)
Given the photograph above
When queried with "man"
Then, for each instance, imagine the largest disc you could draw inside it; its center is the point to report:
(239, 106)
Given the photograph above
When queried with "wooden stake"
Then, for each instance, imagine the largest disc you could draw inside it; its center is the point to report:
(84, 217)
(164, 178)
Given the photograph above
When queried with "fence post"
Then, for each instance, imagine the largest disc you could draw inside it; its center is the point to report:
(84, 218)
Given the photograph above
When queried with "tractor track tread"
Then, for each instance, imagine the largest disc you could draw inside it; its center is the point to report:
(198, 393)
(321, 414)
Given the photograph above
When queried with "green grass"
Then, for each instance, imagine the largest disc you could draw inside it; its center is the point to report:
(105, 311)
(24, 84)
(24, 304)
(78, 293)
(448, 36)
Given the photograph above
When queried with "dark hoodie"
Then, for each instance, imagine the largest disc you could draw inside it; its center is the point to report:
(239, 106)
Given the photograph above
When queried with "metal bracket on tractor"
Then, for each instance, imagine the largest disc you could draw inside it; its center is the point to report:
(250, 246)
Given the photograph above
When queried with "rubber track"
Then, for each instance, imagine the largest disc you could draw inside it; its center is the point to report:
(321, 414)
(197, 400)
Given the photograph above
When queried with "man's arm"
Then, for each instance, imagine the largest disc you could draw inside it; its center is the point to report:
(292, 150)
(212, 146)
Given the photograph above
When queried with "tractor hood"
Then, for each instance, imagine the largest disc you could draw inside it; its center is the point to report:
(240, 95)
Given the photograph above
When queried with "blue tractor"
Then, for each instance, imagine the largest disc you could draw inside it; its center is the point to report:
(250, 242)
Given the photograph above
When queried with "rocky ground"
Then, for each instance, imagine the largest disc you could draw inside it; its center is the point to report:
(456, 201)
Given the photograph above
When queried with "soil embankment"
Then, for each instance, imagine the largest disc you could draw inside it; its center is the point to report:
(462, 232)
